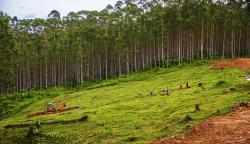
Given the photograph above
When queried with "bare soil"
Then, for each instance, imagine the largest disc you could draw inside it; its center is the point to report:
(233, 128)
(242, 63)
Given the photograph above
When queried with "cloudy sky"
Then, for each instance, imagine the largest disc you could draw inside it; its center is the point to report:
(41, 8)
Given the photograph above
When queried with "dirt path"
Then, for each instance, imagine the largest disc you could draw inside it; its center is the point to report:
(233, 128)
(241, 63)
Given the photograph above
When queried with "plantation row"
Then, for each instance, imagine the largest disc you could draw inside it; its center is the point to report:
(124, 38)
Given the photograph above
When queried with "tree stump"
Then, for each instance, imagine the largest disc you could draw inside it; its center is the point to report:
(38, 124)
(200, 84)
(188, 118)
(151, 93)
(32, 132)
(243, 104)
(197, 107)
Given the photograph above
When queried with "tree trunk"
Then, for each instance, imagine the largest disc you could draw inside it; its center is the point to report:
(100, 67)
(232, 43)
(127, 63)
(106, 64)
(119, 64)
(239, 49)
(224, 44)
(179, 47)
(135, 57)
(65, 69)
(81, 72)
(46, 74)
(202, 39)
(162, 47)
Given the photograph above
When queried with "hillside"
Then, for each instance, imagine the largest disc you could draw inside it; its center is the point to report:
(122, 110)
(231, 128)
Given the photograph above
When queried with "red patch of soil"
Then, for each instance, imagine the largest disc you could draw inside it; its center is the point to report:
(242, 63)
(233, 128)
(57, 111)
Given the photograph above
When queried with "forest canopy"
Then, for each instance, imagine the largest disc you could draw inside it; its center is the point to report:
(130, 36)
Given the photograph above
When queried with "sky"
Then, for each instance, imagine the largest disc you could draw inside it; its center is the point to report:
(29, 9)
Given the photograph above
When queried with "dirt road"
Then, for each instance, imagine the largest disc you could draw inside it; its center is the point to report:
(233, 128)
(241, 63)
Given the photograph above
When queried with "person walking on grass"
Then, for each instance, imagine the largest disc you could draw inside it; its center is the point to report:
(180, 86)
(188, 86)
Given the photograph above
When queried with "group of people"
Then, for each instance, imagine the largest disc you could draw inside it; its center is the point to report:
(166, 91)
(187, 86)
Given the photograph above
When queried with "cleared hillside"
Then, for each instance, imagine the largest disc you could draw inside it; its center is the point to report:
(122, 110)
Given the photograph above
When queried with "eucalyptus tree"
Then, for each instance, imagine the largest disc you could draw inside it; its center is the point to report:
(223, 23)
(119, 41)
(54, 33)
(202, 14)
(7, 56)
(54, 14)
(124, 38)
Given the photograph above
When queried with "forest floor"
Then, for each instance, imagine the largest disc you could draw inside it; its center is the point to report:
(232, 128)
(122, 110)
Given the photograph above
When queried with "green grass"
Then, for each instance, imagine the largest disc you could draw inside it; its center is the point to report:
(121, 110)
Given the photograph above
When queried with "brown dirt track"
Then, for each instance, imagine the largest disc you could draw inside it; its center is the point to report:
(242, 63)
(233, 128)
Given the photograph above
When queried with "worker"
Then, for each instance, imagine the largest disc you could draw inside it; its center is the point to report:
(180, 87)
(151, 92)
(167, 91)
(188, 86)
(50, 108)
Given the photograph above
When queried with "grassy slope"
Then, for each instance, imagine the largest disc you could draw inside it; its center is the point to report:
(122, 111)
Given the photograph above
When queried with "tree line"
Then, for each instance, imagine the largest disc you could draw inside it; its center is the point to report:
(130, 36)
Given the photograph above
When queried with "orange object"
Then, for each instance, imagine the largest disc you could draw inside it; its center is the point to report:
(36, 114)
(61, 104)
(188, 86)
(51, 110)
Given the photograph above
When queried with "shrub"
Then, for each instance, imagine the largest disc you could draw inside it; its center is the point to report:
(219, 84)
(84, 118)
(188, 118)
(33, 131)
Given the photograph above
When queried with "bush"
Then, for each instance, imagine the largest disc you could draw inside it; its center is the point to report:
(243, 104)
(32, 132)
(84, 118)
(187, 118)
(219, 84)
